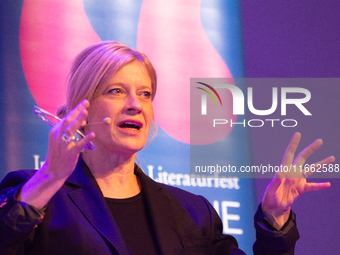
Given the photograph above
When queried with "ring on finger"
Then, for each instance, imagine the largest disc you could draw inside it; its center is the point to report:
(67, 138)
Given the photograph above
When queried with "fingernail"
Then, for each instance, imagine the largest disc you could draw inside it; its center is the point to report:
(85, 102)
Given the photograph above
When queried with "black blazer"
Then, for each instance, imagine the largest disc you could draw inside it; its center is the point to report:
(78, 221)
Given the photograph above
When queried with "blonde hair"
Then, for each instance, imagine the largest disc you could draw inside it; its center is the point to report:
(94, 67)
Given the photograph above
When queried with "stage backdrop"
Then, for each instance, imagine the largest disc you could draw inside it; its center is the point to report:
(183, 39)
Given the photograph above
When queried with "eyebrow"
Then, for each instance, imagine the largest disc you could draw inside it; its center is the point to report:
(125, 85)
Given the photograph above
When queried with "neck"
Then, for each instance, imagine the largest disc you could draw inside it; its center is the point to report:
(114, 173)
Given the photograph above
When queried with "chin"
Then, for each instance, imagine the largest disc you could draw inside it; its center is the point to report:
(128, 147)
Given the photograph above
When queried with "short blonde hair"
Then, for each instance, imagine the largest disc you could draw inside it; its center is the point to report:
(94, 67)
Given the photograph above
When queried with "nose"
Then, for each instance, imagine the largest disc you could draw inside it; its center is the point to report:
(133, 104)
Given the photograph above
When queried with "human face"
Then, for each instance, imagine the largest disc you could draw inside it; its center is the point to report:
(127, 101)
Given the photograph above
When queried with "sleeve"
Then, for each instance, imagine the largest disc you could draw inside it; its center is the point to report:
(17, 219)
(269, 241)
(272, 241)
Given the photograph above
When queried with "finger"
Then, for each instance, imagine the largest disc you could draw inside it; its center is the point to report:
(84, 104)
(77, 123)
(288, 156)
(319, 164)
(307, 152)
(80, 145)
(311, 186)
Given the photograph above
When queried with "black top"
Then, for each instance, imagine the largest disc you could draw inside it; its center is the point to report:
(134, 223)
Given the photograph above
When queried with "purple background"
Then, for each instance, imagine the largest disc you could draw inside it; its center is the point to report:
(281, 39)
(298, 39)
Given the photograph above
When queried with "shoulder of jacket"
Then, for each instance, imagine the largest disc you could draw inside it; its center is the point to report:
(14, 178)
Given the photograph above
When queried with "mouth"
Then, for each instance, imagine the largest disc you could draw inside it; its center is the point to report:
(130, 125)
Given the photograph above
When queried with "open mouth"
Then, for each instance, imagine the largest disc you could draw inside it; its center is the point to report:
(130, 125)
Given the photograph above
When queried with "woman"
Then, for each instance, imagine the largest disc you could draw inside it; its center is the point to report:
(100, 202)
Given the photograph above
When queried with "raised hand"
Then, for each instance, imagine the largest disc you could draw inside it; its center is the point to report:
(63, 153)
(286, 187)
(62, 156)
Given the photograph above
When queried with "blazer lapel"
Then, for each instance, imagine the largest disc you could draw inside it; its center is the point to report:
(160, 207)
(90, 201)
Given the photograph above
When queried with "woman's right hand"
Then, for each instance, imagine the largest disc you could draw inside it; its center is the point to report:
(62, 157)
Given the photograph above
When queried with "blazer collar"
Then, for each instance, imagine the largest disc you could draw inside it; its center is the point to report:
(90, 201)
(160, 205)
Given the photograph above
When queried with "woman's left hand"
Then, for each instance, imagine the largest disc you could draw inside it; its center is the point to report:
(286, 187)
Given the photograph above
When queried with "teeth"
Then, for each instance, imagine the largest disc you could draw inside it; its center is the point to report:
(130, 125)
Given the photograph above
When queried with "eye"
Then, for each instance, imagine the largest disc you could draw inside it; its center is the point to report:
(115, 91)
(146, 94)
